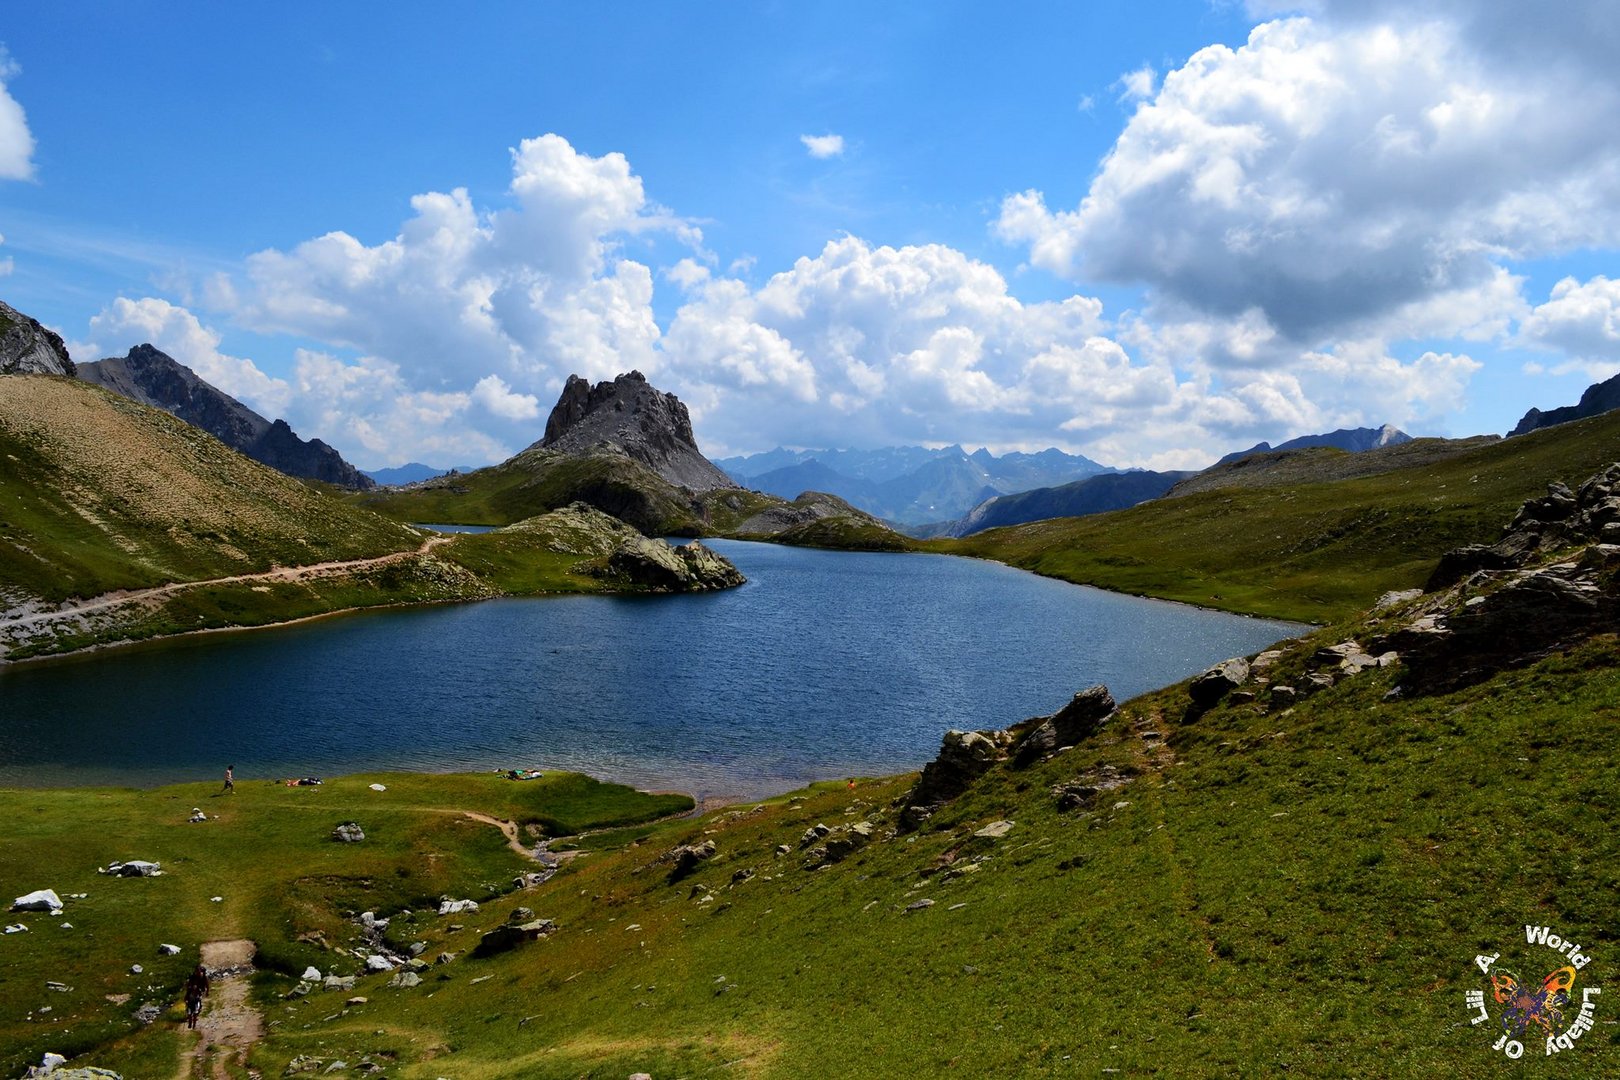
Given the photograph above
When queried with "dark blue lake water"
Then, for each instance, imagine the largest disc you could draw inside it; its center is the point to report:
(824, 665)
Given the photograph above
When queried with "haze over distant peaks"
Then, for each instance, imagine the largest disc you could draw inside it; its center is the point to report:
(412, 472)
(27, 348)
(644, 424)
(1354, 440)
(909, 484)
(1598, 398)
(155, 378)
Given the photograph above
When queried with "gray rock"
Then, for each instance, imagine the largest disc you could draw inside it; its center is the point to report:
(146, 1014)
(1207, 689)
(687, 857)
(994, 831)
(1080, 718)
(311, 974)
(134, 868)
(405, 980)
(1283, 697)
(919, 905)
(456, 907)
(27, 348)
(509, 936)
(348, 833)
(417, 948)
(168, 950)
(338, 982)
(38, 900)
(964, 756)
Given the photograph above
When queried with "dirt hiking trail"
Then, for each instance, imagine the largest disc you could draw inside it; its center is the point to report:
(229, 1026)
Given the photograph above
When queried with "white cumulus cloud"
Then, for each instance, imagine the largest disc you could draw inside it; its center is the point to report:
(1581, 320)
(823, 146)
(16, 141)
(1330, 175)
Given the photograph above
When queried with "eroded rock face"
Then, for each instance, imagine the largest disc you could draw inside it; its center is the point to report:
(655, 565)
(27, 348)
(1217, 682)
(649, 426)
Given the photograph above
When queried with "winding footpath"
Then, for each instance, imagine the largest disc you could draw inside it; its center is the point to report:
(19, 621)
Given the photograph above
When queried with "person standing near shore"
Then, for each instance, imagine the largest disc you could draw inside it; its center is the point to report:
(230, 779)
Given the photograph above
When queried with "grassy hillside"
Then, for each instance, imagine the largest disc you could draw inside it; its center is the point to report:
(536, 481)
(1261, 893)
(1310, 551)
(98, 493)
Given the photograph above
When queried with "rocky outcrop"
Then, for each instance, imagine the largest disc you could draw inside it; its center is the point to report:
(1208, 689)
(27, 348)
(1080, 718)
(655, 566)
(1552, 581)
(629, 416)
(154, 378)
(1598, 398)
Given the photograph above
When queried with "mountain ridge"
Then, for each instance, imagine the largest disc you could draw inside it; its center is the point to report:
(152, 377)
(1600, 397)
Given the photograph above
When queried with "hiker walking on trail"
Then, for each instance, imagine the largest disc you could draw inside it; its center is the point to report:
(196, 989)
(230, 779)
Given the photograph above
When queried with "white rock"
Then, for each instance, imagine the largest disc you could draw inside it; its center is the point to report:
(39, 900)
(135, 969)
(216, 899)
(311, 974)
(16, 928)
(51, 1061)
(379, 963)
(168, 950)
(456, 907)
(378, 787)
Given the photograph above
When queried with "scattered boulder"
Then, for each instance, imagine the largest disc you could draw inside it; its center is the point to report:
(134, 868)
(687, 857)
(348, 833)
(197, 815)
(1080, 718)
(1083, 791)
(338, 982)
(376, 963)
(509, 936)
(168, 950)
(38, 900)
(919, 905)
(148, 1014)
(404, 980)
(994, 831)
(448, 906)
(1209, 688)
(311, 974)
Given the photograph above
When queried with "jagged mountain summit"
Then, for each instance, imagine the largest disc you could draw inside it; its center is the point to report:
(1354, 440)
(27, 348)
(1598, 398)
(154, 378)
(643, 423)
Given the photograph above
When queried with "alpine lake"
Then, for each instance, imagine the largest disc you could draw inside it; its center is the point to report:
(825, 665)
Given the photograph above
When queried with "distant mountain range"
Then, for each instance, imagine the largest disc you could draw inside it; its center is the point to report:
(155, 378)
(1093, 495)
(913, 485)
(1598, 398)
(1355, 440)
(411, 472)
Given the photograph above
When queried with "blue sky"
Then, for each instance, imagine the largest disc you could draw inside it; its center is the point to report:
(1150, 233)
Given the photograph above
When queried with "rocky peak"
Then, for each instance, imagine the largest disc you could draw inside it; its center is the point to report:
(27, 348)
(630, 416)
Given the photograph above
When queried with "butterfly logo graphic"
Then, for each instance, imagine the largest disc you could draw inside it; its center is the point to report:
(1528, 1004)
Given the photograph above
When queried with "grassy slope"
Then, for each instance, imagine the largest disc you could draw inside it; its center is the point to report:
(1313, 552)
(270, 856)
(99, 493)
(1302, 891)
